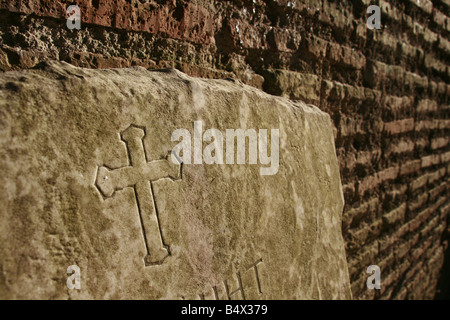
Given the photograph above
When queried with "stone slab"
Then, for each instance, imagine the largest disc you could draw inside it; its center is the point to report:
(87, 179)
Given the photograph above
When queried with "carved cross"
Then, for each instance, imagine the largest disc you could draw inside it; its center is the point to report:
(139, 175)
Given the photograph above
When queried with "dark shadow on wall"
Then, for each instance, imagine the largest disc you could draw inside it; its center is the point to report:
(443, 287)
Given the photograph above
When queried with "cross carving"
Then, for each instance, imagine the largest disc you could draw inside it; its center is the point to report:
(140, 175)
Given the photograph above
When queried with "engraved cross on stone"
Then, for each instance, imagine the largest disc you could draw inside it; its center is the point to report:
(140, 174)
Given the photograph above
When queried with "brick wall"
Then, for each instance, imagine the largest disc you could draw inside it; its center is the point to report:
(387, 92)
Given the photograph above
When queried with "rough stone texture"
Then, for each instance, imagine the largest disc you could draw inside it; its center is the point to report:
(63, 200)
(387, 92)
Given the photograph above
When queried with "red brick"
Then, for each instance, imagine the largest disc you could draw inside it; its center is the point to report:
(430, 226)
(436, 175)
(445, 210)
(444, 124)
(389, 174)
(387, 261)
(431, 160)
(438, 190)
(397, 105)
(388, 279)
(425, 5)
(426, 125)
(419, 182)
(346, 56)
(410, 167)
(401, 295)
(395, 215)
(404, 145)
(403, 249)
(373, 181)
(399, 126)
(438, 143)
(419, 202)
(316, 46)
(356, 214)
(419, 219)
(417, 267)
(445, 157)
(426, 106)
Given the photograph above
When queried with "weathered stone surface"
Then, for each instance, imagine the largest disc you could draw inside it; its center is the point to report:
(78, 150)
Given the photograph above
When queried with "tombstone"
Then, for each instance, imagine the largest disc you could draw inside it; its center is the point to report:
(95, 178)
